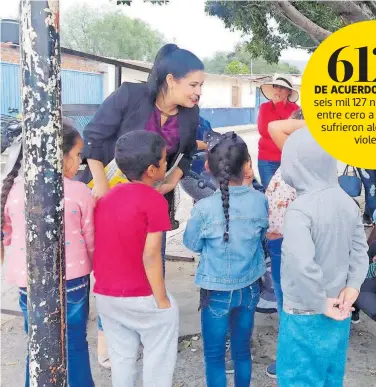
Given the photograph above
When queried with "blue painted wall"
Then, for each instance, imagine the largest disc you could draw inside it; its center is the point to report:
(77, 87)
(222, 117)
(87, 88)
(10, 87)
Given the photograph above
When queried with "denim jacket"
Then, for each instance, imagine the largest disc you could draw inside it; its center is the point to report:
(240, 262)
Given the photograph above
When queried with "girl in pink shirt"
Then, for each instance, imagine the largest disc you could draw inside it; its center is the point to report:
(79, 241)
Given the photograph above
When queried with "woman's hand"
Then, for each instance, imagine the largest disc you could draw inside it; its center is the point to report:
(171, 182)
(201, 145)
(100, 189)
(101, 186)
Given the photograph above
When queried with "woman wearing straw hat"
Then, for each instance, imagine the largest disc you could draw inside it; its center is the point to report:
(282, 103)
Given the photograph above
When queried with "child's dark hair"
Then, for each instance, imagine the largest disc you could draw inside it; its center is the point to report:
(226, 161)
(297, 114)
(136, 151)
(171, 60)
(70, 138)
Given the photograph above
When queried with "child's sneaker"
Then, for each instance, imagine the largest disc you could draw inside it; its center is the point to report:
(355, 319)
(271, 370)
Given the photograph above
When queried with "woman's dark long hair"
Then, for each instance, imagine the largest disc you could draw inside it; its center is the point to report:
(226, 161)
(171, 60)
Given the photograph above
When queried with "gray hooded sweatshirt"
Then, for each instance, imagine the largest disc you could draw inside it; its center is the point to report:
(324, 247)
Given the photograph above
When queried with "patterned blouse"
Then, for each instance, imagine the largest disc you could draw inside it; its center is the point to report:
(279, 195)
(169, 131)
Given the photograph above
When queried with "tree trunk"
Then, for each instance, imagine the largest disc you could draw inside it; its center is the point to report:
(44, 192)
(315, 32)
(348, 10)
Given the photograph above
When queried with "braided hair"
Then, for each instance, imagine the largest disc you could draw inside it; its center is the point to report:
(226, 160)
(8, 184)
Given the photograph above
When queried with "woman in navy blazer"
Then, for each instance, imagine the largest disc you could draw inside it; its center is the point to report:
(166, 104)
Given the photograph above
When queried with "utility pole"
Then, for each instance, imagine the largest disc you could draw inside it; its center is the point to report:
(44, 208)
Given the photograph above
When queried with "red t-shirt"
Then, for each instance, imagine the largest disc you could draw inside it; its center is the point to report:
(268, 113)
(123, 218)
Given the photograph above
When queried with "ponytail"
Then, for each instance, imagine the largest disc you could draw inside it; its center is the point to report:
(171, 60)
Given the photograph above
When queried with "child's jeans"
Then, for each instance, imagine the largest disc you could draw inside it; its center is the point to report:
(368, 177)
(79, 372)
(128, 322)
(311, 351)
(275, 251)
(267, 169)
(222, 310)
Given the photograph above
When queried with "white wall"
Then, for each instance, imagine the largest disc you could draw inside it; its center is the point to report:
(248, 94)
(129, 75)
(216, 93)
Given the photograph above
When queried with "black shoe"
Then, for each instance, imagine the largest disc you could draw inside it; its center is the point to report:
(355, 319)
(174, 224)
(367, 221)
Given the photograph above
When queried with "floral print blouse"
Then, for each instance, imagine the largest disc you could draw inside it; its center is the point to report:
(279, 195)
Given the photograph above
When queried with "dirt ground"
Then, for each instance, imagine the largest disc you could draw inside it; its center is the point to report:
(361, 367)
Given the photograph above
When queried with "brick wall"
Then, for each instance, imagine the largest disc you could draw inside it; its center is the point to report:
(10, 53)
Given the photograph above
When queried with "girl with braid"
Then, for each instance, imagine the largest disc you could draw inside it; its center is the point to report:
(79, 247)
(227, 229)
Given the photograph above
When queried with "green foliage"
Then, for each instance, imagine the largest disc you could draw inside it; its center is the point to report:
(272, 30)
(221, 60)
(109, 33)
(236, 67)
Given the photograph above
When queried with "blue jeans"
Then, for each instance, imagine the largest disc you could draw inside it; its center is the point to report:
(267, 169)
(275, 251)
(368, 177)
(234, 310)
(311, 351)
(79, 372)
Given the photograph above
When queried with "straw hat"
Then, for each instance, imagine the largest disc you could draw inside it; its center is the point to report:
(284, 81)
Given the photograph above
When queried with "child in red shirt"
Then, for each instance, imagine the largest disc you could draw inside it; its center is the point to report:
(130, 291)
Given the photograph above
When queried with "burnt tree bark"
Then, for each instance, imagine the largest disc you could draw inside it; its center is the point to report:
(44, 208)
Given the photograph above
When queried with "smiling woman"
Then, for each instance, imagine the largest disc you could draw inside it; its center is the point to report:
(166, 104)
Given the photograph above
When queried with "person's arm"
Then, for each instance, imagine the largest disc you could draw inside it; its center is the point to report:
(171, 182)
(87, 221)
(152, 259)
(193, 239)
(298, 255)
(358, 264)
(103, 126)
(280, 130)
(263, 120)
(358, 267)
(191, 147)
(158, 220)
(201, 145)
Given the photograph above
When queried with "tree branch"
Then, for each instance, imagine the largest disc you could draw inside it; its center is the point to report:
(315, 32)
(349, 11)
